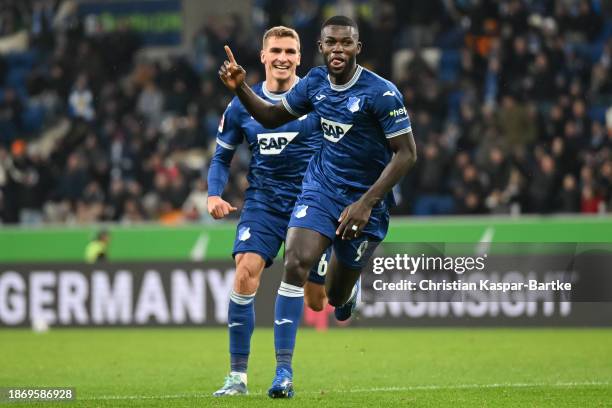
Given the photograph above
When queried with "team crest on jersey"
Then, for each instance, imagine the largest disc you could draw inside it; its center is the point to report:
(244, 233)
(353, 104)
(274, 143)
(334, 131)
(300, 211)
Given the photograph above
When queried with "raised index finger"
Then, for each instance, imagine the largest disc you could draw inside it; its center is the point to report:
(229, 54)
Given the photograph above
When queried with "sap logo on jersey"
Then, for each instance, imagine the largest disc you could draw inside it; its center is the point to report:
(334, 131)
(274, 143)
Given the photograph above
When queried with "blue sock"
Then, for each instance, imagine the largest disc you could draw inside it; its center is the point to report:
(241, 323)
(287, 315)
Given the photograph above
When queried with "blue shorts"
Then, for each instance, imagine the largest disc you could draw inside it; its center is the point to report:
(262, 232)
(318, 212)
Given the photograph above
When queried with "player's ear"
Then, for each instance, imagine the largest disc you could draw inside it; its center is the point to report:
(359, 45)
(262, 56)
(299, 59)
(320, 45)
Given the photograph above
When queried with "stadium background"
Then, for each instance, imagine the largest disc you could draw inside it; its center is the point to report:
(108, 114)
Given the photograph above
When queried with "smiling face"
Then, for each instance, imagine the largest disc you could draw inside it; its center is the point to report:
(340, 46)
(281, 57)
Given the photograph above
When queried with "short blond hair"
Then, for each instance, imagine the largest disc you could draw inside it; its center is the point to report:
(280, 32)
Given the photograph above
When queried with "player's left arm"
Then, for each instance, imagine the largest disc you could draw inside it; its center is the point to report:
(358, 213)
(389, 110)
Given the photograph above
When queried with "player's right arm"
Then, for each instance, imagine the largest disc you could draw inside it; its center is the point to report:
(229, 137)
(269, 115)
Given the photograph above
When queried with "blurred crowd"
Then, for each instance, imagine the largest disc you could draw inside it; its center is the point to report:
(509, 100)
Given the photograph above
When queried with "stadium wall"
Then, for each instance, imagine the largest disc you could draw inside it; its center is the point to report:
(181, 276)
(196, 294)
(214, 242)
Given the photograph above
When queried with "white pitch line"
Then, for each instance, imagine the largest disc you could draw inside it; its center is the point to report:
(477, 386)
(366, 390)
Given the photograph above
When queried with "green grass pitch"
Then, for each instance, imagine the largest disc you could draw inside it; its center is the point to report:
(341, 367)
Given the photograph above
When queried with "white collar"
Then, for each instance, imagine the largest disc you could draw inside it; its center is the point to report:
(277, 96)
(350, 83)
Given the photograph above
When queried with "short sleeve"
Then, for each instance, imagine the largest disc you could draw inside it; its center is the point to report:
(391, 113)
(229, 133)
(296, 101)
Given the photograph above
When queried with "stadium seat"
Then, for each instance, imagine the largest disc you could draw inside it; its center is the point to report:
(449, 65)
(25, 59)
(606, 32)
(33, 118)
(7, 133)
(16, 77)
(454, 105)
(450, 39)
(598, 113)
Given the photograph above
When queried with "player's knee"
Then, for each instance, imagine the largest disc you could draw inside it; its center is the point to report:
(296, 269)
(246, 280)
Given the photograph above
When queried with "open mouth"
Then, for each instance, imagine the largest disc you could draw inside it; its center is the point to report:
(281, 67)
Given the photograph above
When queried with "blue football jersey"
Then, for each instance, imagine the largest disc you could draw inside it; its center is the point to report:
(357, 118)
(279, 156)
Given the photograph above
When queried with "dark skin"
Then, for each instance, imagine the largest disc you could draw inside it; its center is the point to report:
(339, 46)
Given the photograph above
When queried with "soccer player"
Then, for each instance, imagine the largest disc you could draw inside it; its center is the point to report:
(279, 160)
(346, 192)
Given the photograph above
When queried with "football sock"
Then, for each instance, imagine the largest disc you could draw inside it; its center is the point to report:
(241, 323)
(287, 314)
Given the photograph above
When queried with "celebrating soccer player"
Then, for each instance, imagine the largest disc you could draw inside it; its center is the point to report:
(346, 193)
(279, 159)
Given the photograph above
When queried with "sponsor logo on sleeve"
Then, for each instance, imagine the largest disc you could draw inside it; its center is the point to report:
(398, 112)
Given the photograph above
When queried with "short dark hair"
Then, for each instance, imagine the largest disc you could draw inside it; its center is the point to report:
(340, 21)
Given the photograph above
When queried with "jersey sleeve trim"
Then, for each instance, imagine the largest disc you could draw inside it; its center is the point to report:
(289, 108)
(399, 132)
(225, 145)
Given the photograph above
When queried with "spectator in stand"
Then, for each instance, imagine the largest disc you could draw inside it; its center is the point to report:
(196, 205)
(73, 181)
(81, 100)
(544, 185)
(568, 200)
(516, 124)
(432, 173)
(151, 103)
(11, 111)
(590, 200)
